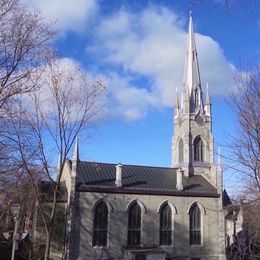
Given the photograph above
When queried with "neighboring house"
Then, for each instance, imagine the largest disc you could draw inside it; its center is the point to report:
(233, 220)
(144, 212)
(242, 228)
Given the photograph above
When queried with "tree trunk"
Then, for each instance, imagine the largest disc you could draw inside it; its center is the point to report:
(47, 246)
(50, 226)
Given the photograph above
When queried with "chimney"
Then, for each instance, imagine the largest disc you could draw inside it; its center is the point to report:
(179, 185)
(118, 181)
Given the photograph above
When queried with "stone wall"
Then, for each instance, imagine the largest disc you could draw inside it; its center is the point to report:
(117, 226)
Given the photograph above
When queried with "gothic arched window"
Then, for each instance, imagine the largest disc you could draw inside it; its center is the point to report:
(181, 148)
(195, 225)
(198, 150)
(100, 224)
(134, 225)
(165, 225)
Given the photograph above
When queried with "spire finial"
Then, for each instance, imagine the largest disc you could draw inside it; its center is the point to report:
(190, 13)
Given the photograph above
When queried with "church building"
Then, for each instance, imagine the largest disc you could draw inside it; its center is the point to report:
(118, 211)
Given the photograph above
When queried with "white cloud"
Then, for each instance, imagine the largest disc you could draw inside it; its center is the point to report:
(69, 14)
(81, 94)
(127, 100)
(152, 44)
(149, 44)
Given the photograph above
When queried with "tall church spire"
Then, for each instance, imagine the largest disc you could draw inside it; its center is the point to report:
(191, 72)
(192, 144)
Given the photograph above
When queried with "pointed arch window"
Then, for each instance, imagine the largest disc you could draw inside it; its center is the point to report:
(195, 225)
(198, 150)
(134, 225)
(181, 148)
(165, 225)
(100, 224)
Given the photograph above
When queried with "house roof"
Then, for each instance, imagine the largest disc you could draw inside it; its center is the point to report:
(100, 177)
(226, 201)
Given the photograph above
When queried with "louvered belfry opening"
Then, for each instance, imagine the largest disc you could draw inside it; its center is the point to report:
(134, 226)
(165, 225)
(195, 225)
(100, 224)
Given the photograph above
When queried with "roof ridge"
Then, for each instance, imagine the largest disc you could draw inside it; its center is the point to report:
(134, 165)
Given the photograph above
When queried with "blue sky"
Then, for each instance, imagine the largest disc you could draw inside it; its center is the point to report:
(138, 48)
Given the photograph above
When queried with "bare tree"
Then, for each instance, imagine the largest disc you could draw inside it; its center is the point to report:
(24, 39)
(244, 160)
(24, 36)
(245, 146)
(48, 121)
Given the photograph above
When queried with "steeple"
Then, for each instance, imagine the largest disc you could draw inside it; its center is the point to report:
(192, 144)
(191, 71)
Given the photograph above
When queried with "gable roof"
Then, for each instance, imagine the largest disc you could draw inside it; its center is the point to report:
(100, 177)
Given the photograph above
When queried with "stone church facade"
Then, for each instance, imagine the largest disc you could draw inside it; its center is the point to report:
(142, 212)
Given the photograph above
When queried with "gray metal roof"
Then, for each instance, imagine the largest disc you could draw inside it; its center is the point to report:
(93, 176)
